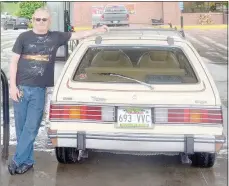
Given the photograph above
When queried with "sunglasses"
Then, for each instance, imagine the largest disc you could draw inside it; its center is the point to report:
(39, 19)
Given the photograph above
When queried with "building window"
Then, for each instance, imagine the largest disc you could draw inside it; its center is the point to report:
(204, 7)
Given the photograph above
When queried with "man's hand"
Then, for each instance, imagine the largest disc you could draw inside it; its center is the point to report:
(102, 29)
(14, 93)
(85, 34)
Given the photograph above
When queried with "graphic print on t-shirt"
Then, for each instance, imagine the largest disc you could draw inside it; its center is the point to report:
(40, 54)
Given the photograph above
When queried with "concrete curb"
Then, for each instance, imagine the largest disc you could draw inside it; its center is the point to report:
(187, 27)
(203, 27)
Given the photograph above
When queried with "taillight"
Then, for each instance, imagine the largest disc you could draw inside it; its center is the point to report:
(81, 112)
(102, 17)
(189, 115)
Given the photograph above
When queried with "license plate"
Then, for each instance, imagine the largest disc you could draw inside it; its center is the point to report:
(115, 22)
(22, 23)
(134, 118)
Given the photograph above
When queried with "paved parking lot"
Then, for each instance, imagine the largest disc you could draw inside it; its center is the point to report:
(212, 44)
(109, 169)
(118, 170)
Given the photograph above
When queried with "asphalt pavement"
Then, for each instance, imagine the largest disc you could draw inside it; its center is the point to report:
(109, 169)
(211, 44)
(117, 170)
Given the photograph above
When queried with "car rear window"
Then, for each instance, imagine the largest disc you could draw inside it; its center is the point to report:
(115, 9)
(152, 65)
(22, 19)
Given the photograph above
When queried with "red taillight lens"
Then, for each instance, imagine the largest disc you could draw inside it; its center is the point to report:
(75, 112)
(181, 115)
(81, 112)
(55, 111)
(90, 113)
(215, 116)
(102, 17)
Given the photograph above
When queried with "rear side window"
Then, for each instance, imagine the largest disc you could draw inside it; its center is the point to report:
(22, 20)
(115, 9)
(153, 65)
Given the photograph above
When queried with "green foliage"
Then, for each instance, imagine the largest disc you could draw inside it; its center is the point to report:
(30, 25)
(1, 7)
(27, 8)
(225, 4)
(10, 7)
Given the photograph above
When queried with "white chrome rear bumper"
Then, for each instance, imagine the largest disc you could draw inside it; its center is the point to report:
(137, 142)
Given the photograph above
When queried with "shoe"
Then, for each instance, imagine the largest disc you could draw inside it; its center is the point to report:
(23, 168)
(12, 168)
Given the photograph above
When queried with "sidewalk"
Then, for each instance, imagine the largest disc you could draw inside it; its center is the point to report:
(186, 27)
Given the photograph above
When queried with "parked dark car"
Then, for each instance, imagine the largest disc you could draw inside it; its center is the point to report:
(16, 23)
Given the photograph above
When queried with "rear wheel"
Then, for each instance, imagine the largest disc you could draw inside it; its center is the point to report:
(203, 160)
(66, 155)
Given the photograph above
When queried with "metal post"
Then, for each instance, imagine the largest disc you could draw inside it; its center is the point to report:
(6, 118)
(182, 25)
(66, 28)
(182, 22)
(57, 13)
(1, 121)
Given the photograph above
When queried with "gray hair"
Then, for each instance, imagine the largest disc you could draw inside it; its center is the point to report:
(42, 9)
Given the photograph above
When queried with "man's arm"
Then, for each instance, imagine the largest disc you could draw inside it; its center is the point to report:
(17, 50)
(84, 34)
(13, 69)
(14, 92)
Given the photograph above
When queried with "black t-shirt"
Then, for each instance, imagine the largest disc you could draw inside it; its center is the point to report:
(38, 54)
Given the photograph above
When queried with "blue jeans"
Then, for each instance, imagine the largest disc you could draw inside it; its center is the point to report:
(28, 113)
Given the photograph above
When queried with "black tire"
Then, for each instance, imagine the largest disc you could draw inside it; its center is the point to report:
(66, 155)
(203, 160)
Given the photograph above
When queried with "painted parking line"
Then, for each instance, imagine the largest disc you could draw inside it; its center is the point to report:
(214, 42)
(195, 40)
(218, 55)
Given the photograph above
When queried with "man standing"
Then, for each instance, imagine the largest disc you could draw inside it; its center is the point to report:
(31, 71)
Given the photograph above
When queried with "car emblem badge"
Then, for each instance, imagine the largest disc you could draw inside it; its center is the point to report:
(134, 97)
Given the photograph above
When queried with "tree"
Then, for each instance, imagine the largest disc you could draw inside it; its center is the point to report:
(225, 4)
(1, 7)
(26, 9)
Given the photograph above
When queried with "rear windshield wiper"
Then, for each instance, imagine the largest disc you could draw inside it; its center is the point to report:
(125, 77)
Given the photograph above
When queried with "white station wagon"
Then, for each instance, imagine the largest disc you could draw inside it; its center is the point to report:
(137, 91)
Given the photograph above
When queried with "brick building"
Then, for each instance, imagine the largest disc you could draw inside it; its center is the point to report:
(142, 12)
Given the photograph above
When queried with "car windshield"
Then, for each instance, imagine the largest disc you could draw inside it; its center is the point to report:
(115, 9)
(151, 65)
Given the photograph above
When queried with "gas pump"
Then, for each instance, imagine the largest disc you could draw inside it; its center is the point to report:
(68, 28)
(61, 21)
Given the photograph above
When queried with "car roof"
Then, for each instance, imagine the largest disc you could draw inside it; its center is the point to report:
(140, 33)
